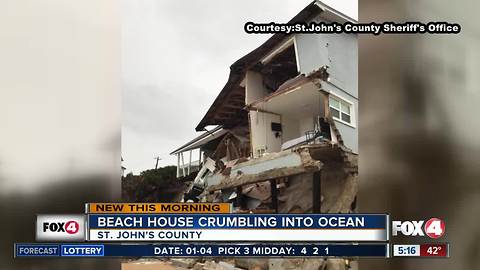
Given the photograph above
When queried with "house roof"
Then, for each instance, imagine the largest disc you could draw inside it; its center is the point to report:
(201, 140)
(230, 102)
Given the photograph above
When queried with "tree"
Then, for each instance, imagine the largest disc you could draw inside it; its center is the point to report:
(161, 177)
(158, 185)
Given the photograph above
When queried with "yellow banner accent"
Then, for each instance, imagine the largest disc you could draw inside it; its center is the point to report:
(164, 208)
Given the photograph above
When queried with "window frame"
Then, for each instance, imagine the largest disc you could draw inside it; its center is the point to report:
(339, 109)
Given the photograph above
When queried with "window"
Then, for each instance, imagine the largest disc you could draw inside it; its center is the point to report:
(340, 110)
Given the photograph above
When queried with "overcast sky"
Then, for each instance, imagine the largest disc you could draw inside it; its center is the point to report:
(175, 60)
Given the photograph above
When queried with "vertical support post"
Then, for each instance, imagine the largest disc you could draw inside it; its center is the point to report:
(317, 192)
(240, 200)
(199, 157)
(183, 166)
(274, 194)
(156, 163)
(178, 165)
(326, 104)
(189, 162)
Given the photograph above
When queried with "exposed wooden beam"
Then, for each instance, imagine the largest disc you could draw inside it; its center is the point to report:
(230, 117)
(234, 105)
(226, 114)
(237, 99)
(231, 109)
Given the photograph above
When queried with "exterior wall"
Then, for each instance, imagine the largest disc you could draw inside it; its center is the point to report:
(349, 132)
(294, 128)
(306, 124)
(340, 53)
(290, 129)
(312, 52)
(343, 53)
(254, 89)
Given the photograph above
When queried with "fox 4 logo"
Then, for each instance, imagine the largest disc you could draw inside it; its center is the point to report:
(433, 228)
(61, 227)
(70, 227)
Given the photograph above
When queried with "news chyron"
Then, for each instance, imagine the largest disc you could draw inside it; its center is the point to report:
(68, 228)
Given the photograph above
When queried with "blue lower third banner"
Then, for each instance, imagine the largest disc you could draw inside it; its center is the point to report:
(201, 250)
(238, 227)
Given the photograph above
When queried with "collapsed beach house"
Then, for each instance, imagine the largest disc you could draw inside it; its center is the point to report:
(282, 134)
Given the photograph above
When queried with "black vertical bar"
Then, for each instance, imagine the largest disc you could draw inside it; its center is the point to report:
(274, 194)
(240, 200)
(317, 192)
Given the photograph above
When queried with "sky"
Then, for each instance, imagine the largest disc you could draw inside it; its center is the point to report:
(59, 91)
(175, 60)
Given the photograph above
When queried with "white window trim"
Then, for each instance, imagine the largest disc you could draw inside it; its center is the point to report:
(352, 111)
